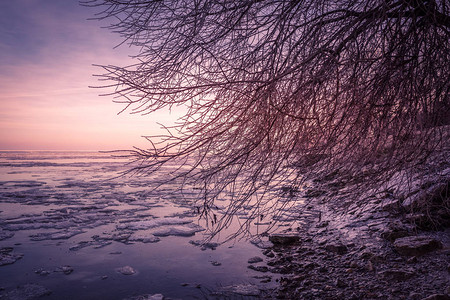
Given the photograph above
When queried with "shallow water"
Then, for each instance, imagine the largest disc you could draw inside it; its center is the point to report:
(64, 209)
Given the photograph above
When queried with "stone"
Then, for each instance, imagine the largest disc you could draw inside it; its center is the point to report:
(283, 239)
(258, 268)
(254, 259)
(216, 263)
(337, 248)
(268, 253)
(437, 297)
(340, 283)
(323, 224)
(416, 245)
(392, 235)
(396, 274)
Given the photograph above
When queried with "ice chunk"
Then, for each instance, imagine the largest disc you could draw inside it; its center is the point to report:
(147, 297)
(7, 256)
(148, 224)
(5, 235)
(242, 289)
(58, 235)
(127, 270)
(143, 237)
(177, 230)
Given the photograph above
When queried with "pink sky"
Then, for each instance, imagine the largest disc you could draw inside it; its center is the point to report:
(48, 48)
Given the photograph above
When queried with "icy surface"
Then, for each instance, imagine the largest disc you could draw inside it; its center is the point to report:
(69, 224)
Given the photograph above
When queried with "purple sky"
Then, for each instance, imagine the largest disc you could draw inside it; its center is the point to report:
(47, 50)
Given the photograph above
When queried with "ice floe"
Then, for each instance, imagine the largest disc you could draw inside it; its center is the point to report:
(147, 224)
(126, 270)
(8, 256)
(26, 292)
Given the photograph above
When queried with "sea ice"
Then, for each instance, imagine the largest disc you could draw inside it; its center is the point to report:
(143, 237)
(242, 289)
(7, 256)
(147, 224)
(127, 270)
(58, 235)
(177, 231)
(147, 297)
(5, 235)
(26, 292)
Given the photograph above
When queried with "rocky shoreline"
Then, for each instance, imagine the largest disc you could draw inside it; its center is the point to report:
(374, 252)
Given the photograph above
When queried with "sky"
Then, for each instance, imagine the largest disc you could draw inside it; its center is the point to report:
(47, 52)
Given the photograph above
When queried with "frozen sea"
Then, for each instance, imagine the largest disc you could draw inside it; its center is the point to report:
(67, 225)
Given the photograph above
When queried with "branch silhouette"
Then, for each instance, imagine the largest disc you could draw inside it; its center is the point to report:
(281, 92)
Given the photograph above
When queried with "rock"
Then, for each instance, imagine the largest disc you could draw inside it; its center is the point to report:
(391, 205)
(259, 268)
(391, 235)
(337, 248)
(340, 283)
(7, 256)
(268, 253)
(396, 274)
(416, 245)
(261, 244)
(283, 239)
(323, 224)
(254, 259)
(146, 297)
(395, 230)
(437, 297)
(127, 270)
(216, 263)
(27, 292)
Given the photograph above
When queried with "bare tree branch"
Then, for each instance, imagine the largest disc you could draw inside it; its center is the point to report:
(280, 92)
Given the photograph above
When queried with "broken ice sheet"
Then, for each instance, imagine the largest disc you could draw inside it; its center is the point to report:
(5, 235)
(126, 270)
(143, 237)
(188, 230)
(58, 235)
(27, 291)
(7, 256)
(147, 224)
(241, 289)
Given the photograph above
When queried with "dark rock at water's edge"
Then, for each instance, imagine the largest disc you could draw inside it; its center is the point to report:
(416, 245)
(284, 239)
(147, 297)
(370, 253)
